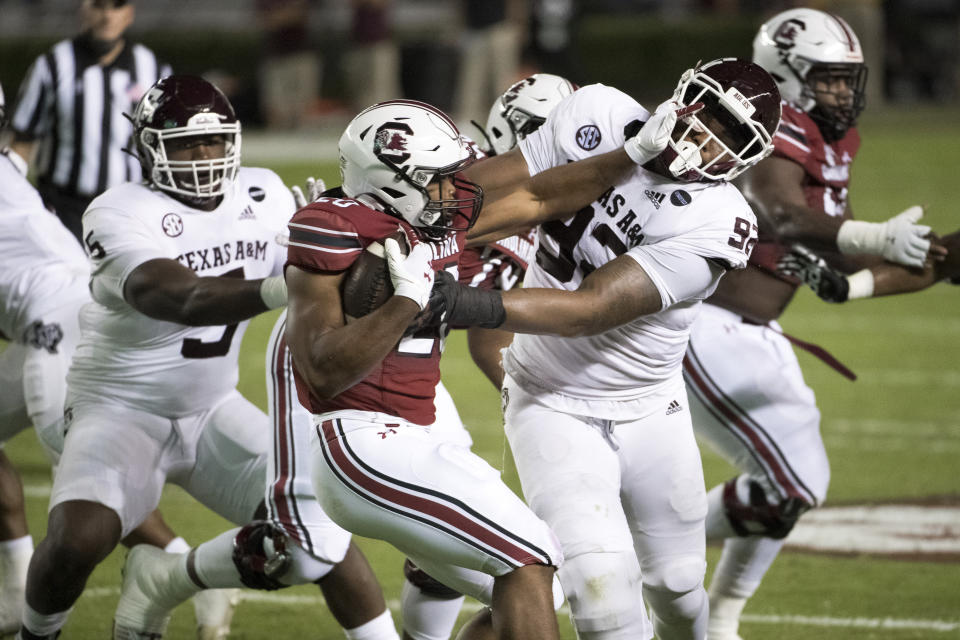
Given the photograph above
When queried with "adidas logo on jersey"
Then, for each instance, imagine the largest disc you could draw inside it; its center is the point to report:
(655, 197)
(674, 407)
(247, 214)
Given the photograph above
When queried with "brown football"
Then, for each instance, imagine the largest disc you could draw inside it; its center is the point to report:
(367, 284)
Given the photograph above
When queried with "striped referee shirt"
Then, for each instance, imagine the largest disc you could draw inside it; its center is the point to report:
(74, 107)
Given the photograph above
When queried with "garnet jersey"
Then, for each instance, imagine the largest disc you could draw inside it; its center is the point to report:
(327, 236)
(166, 368)
(501, 264)
(38, 256)
(658, 222)
(827, 173)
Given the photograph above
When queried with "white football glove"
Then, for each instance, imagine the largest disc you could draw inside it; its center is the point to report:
(653, 137)
(411, 275)
(315, 189)
(899, 239)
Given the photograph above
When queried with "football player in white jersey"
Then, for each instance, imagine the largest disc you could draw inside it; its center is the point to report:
(748, 396)
(297, 543)
(43, 284)
(179, 263)
(596, 411)
(429, 608)
(43, 277)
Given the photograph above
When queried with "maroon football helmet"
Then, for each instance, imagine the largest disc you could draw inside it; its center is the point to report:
(741, 112)
(180, 107)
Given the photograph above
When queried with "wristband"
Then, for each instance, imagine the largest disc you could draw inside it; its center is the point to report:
(273, 292)
(476, 307)
(858, 237)
(861, 284)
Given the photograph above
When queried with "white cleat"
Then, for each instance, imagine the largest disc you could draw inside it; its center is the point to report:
(214, 612)
(141, 613)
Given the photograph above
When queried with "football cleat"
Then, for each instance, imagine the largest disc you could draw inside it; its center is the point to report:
(142, 613)
(214, 611)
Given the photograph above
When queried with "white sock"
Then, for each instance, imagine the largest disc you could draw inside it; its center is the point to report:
(213, 562)
(44, 624)
(177, 545)
(425, 617)
(717, 524)
(742, 565)
(14, 561)
(380, 628)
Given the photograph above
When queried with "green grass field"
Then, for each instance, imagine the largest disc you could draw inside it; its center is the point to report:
(893, 434)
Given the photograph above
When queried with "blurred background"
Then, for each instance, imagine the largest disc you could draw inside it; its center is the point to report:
(342, 55)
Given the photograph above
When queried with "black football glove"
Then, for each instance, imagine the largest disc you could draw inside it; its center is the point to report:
(458, 306)
(828, 283)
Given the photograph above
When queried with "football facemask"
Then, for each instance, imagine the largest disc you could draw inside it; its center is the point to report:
(741, 111)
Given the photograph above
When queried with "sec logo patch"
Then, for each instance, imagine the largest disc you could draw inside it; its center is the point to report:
(257, 193)
(588, 137)
(172, 225)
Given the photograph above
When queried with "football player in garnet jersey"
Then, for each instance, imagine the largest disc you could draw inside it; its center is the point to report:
(748, 397)
(611, 465)
(379, 470)
(430, 609)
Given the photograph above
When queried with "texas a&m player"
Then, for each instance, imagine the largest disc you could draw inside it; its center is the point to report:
(595, 406)
(179, 263)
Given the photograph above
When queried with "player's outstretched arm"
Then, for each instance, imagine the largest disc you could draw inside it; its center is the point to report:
(561, 191)
(774, 188)
(614, 294)
(879, 280)
(334, 355)
(166, 290)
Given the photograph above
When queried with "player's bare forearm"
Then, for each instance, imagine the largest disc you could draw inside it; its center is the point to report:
(499, 173)
(166, 290)
(775, 190)
(553, 194)
(890, 279)
(615, 294)
(485, 346)
(331, 354)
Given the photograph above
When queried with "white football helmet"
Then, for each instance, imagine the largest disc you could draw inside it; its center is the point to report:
(391, 151)
(523, 108)
(182, 107)
(805, 47)
(741, 112)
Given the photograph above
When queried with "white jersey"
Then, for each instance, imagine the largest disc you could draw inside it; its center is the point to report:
(685, 235)
(163, 367)
(39, 258)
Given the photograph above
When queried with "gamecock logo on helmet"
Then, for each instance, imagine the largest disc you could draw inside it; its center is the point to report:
(514, 92)
(391, 142)
(786, 34)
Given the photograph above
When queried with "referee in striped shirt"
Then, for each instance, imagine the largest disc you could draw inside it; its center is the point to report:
(70, 110)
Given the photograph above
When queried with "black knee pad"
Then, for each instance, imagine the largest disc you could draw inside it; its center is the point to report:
(759, 517)
(260, 555)
(428, 585)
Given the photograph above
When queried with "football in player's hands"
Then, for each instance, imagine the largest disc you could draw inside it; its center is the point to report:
(366, 285)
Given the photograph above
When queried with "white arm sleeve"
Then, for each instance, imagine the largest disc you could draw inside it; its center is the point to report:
(678, 274)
